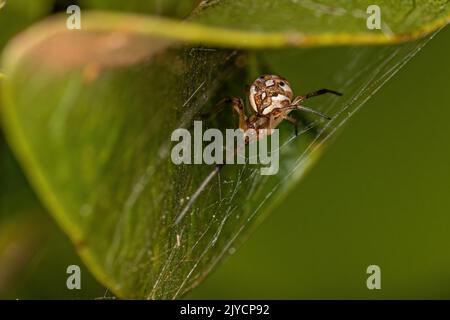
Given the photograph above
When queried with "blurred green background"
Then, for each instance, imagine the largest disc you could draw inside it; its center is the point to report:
(379, 195)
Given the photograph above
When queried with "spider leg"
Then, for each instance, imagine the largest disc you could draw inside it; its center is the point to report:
(303, 108)
(296, 106)
(321, 92)
(293, 121)
(296, 102)
(238, 106)
(217, 108)
(316, 93)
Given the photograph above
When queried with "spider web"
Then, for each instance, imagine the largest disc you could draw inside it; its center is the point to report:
(236, 200)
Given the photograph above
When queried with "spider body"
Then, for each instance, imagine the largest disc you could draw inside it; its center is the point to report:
(272, 99)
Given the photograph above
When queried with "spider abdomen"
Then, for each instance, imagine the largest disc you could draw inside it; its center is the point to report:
(269, 92)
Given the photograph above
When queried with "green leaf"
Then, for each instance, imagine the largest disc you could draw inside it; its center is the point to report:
(89, 114)
(319, 16)
(167, 7)
(326, 22)
(118, 222)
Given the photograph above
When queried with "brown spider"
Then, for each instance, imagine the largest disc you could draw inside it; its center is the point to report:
(271, 98)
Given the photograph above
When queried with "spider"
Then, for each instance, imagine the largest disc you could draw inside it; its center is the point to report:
(272, 100)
